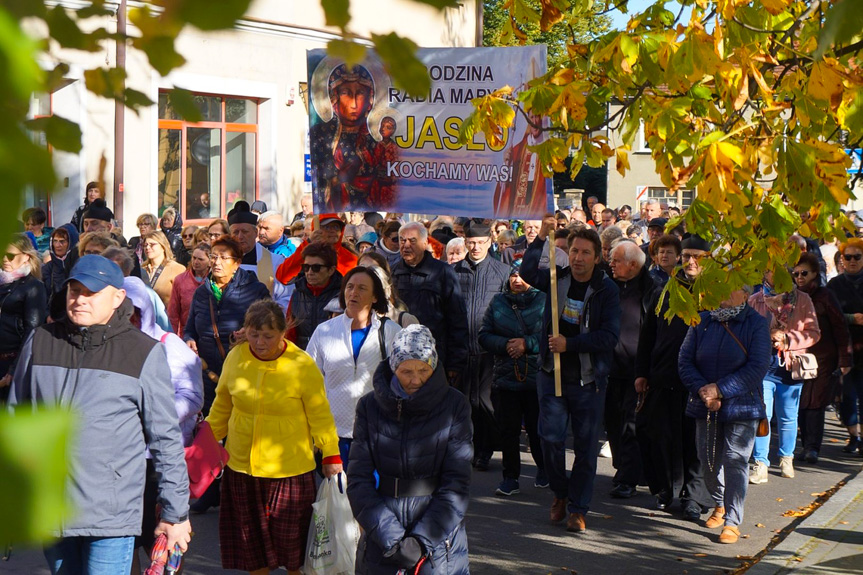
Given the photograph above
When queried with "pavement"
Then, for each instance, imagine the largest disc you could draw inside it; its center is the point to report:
(809, 524)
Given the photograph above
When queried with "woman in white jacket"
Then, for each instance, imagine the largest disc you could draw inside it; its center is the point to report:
(349, 347)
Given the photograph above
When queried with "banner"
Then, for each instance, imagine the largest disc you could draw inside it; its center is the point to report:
(374, 148)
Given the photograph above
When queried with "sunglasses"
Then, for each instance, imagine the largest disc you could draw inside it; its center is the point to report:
(800, 274)
(394, 238)
(852, 257)
(10, 256)
(188, 236)
(314, 268)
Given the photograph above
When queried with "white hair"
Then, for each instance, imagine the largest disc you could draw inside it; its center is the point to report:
(271, 214)
(631, 252)
(453, 244)
(421, 230)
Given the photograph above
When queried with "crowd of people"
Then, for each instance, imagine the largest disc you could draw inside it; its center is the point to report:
(406, 352)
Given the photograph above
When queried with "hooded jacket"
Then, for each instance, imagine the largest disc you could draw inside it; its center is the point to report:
(392, 257)
(428, 435)
(116, 380)
(501, 323)
(710, 354)
(55, 272)
(185, 366)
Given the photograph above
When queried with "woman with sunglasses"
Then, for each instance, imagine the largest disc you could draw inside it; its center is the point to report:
(848, 288)
(23, 304)
(318, 284)
(833, 352)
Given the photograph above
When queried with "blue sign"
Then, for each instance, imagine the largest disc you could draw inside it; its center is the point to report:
(856, 159)
(308, 165)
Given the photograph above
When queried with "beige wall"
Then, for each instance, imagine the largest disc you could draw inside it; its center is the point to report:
(264, 57)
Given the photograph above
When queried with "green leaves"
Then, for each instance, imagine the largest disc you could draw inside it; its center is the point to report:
(844, 22)
(183, 103)
(160, 52)
(33, 448)
(350, 52)
(336, 12)
(206, 15)
(60, 133)
(399, 56)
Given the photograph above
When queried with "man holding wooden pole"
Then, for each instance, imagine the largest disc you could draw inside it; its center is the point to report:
(586, 304)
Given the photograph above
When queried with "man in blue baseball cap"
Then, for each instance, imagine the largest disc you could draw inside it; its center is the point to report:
(95, 363)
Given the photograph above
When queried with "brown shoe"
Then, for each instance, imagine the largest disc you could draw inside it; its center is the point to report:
(575, 523)
(558, 510)
(729, 534)
(716, 519)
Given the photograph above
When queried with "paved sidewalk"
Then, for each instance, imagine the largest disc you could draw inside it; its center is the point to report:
(828, 541)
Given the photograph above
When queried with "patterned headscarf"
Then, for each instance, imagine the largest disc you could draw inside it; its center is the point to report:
(727, 313)
(413, 342)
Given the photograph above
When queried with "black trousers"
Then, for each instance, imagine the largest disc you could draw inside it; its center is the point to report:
(513, 407)
(620, 402)
(666, 440)
(811, 422)
(476, 385)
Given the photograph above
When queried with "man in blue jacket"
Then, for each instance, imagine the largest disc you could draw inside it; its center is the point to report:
(589, 311)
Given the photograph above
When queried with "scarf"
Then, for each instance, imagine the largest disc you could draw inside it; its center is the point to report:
(14, 275)
(781, 307)
(217, 291)
(724, 314)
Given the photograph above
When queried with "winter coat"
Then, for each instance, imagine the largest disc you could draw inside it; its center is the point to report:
(180, 303)
(272, 413)
(833, 349)
(501, 324)
(23, 308)
(802, 331)
(850, 296)
(598, 335)
(659, 345)
(392, 257)
(710, 355)
(243, 290)
(432, 293)
(346, 379)
(55, 272)
(116, 379)
(427, 435)
(78, 217)
(479, 283)
(175, 236)
(635, 297)
(185, 366)
(307, 309)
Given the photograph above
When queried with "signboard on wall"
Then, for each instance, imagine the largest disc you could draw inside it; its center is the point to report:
(374, 148)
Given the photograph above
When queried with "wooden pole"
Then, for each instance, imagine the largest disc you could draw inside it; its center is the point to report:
(555, 319)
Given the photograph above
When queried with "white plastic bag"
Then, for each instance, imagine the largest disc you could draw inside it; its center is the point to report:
(333, 532)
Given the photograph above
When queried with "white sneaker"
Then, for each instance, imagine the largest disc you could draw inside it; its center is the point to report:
(758, 474)
(605, 450)
(786, 466)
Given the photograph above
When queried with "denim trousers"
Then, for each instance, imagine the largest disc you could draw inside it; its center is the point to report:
(580, 406)
(727, 447)
(852, 395)
(91, 556)
(783, 400)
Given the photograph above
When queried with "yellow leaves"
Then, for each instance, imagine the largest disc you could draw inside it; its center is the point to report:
(570, 104)
(775, 7)
(794, 513)
(825, 82)
(621, 160)
(551, 14)
(831, 165)
(724, 154)
(727, 8)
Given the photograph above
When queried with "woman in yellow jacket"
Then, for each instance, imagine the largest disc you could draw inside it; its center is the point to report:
(272, 406)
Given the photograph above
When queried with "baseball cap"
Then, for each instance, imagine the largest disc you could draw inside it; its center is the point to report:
(96, 273)
(330, 218)
(657, 223)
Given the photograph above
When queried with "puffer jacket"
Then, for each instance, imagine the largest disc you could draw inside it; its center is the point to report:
(501, 324)
(23, 308)
(185, 366)
(116, 379)
(243, 290)
(849, 292)
(307, 308)
(710, 354)
(427, 435)
(55, 272)
(479, 283)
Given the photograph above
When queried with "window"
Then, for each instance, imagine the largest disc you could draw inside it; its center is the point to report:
(206, 167)
(681, 198)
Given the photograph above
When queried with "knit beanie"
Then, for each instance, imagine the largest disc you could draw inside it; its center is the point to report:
(413, 342)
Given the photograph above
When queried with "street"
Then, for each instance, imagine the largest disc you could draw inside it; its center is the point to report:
(513, 535)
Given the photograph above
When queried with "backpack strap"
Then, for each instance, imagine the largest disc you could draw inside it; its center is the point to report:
(382, 337)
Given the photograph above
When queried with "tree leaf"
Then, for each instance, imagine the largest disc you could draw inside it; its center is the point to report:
(440, 4)
(336, 12)
(206, 15)
(843, 22)
(161, 53)
(349, 51)
(60, 133)
(133, 99)
(183, 103)
(399, 55)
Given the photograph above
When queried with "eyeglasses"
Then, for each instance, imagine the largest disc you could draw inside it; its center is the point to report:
(852, 257)
(687, 257)
(11, 256)
(187, 236)
(221, 258)
(802, 274)
(314, 268)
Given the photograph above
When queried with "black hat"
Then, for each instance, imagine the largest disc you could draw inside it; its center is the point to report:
(259, 206)
(657, 223)
(99, 210)
(475, 229)
(443, 234)
(372, 218)
(242, 214)
(693, 242)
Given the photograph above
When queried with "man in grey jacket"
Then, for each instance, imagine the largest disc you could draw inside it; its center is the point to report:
(116, 380)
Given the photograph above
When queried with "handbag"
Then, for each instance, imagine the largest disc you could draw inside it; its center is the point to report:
(205, 460)
(803, 366)
(763, 429)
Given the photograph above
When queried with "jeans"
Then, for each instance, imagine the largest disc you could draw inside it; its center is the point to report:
(91, 556)
(728, 450)
(852, 394)
(784, 399)
(582, 407)
(512, 408)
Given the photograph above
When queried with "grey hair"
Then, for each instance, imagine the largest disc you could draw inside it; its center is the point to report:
(631, 252)
(120, 257)
(421, 230)
(610, 234)
(454, 243)
(651, 201)
(271, 214)
(507, 235)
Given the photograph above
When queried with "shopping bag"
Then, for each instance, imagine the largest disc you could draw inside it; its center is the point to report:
(333, 532)
(205, 460)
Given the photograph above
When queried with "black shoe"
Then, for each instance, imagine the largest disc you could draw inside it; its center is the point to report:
(852, 445)
(662, 504)
(691, 511)
(811, 456)
(623, 491)
(800, 455)
(481, 464)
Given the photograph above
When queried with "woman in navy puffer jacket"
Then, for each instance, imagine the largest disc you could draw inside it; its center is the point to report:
(723, 361)
(415, 431)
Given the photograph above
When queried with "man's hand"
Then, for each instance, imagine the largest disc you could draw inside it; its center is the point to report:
(192, 345)
(549, 223)
(179, 533)
(556, 344)
(709, 392)
(516, 347)
(331, 469)
(640, 384)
